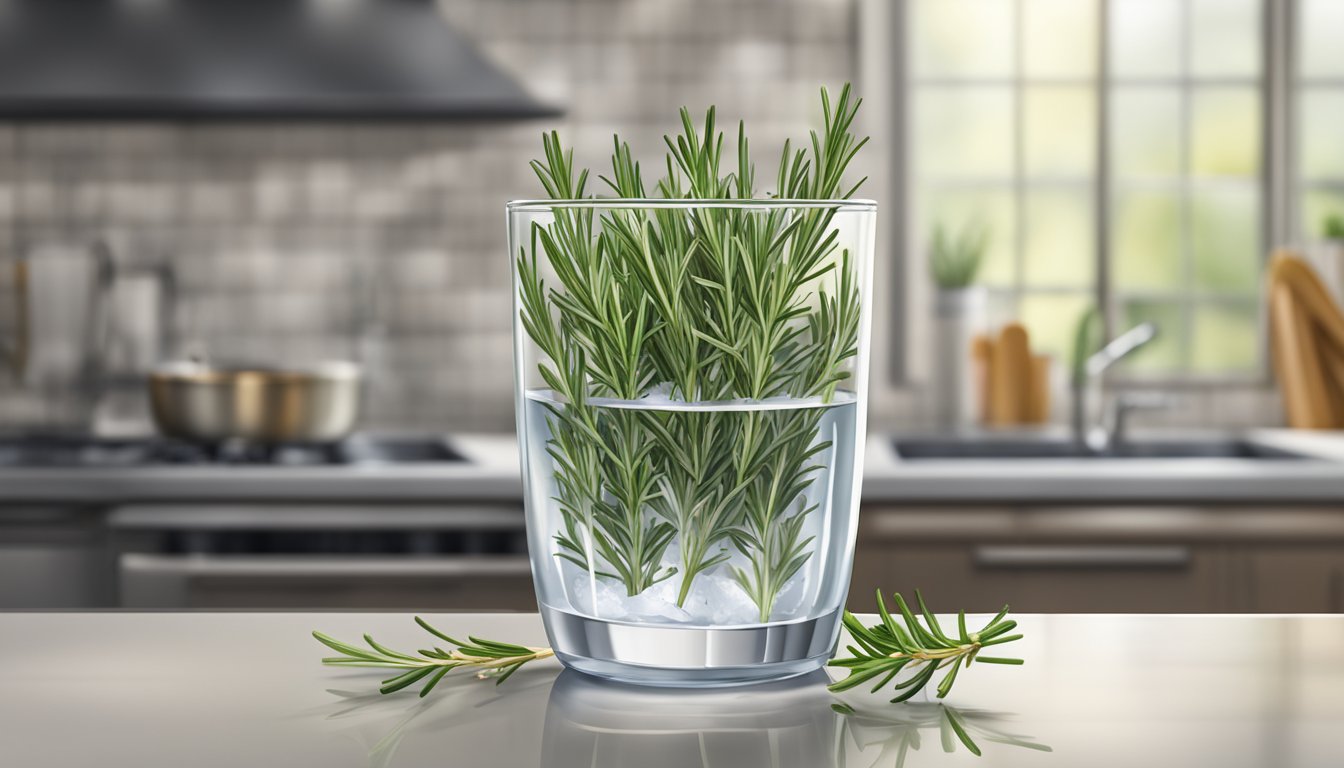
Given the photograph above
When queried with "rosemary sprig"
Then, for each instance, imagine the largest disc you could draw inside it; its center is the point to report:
(490, 657)
(770, 535)
(713, 304)
(888, 648)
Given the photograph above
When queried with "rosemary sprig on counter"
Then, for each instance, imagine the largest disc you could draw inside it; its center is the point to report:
(489, 657)
(886, 649)
(883, 649)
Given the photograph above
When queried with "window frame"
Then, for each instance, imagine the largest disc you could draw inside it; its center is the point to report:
(1296, 83)
(1277, 182)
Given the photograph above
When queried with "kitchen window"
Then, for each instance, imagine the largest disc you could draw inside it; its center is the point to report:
(1320, 95)
(1125, 153)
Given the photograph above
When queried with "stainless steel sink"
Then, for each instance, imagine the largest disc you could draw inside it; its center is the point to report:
(916, 449)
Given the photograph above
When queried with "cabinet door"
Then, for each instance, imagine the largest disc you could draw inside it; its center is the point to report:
(1048, 577)
(1303, 579)
(52, 558)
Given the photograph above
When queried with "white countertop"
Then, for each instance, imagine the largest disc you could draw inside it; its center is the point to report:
(247, 689)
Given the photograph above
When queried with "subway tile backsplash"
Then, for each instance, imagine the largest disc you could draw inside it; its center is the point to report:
(385, 242)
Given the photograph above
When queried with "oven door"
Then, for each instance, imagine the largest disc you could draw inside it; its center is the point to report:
(330, 556)
(453, 582)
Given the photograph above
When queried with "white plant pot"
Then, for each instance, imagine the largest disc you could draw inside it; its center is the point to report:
(959, 314)
(1327, 257)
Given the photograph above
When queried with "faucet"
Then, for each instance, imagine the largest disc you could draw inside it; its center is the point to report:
(1099, 438)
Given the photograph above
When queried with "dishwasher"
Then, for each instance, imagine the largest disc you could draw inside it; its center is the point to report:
(322, 557)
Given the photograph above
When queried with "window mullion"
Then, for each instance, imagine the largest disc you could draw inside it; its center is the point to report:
(1102, 189)
(1277, 102)
(1019, 158)
(1185, 205)
(1279, 180)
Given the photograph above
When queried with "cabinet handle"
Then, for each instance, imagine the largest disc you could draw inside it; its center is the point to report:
(340, 568)
(1051, 556)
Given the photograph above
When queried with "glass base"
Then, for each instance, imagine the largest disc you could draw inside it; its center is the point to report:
(695, 657)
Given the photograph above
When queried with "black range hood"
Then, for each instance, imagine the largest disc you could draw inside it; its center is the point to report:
(238, 59)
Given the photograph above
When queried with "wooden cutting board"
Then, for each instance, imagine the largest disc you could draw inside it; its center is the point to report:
(1297, 363)
(1307, 345)
(982, 360)
(1010, 381)
(1038, 392)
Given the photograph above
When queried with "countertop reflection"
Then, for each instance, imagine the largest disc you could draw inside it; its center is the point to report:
(230, 689)
(591, 723)
(794, 723)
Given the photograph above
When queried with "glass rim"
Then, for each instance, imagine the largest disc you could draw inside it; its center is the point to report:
(688, 202)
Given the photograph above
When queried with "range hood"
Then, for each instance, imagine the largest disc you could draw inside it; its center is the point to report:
(226, 59)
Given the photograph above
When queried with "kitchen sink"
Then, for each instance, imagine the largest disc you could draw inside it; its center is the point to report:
(917, 449)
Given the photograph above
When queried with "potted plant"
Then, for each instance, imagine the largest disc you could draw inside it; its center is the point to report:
(1327, 255)
(691, 388)
(959, 314)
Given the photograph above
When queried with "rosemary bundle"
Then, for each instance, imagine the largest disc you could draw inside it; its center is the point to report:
(692, 304)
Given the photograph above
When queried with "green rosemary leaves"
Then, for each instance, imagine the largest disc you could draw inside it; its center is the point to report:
(888, 648)
(694, 304)
(489, 657)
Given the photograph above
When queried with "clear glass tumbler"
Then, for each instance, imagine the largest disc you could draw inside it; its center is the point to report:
(691, 397)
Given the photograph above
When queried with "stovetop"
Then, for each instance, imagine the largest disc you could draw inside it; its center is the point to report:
(88, 452)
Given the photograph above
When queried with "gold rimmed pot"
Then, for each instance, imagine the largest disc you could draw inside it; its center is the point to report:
(205, 403)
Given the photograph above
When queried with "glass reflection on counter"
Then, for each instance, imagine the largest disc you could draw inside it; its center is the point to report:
(593, 723)
(406, 730)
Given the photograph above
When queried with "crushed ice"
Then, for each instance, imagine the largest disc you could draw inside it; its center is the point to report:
(715, 599)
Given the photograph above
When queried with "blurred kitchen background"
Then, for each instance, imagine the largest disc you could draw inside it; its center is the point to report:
(363, 235)
(284, 182)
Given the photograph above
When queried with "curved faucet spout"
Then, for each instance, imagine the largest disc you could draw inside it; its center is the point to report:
(1120, 347)
(1095, 437)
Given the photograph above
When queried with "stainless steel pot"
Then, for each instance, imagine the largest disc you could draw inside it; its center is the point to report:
(204, 403)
